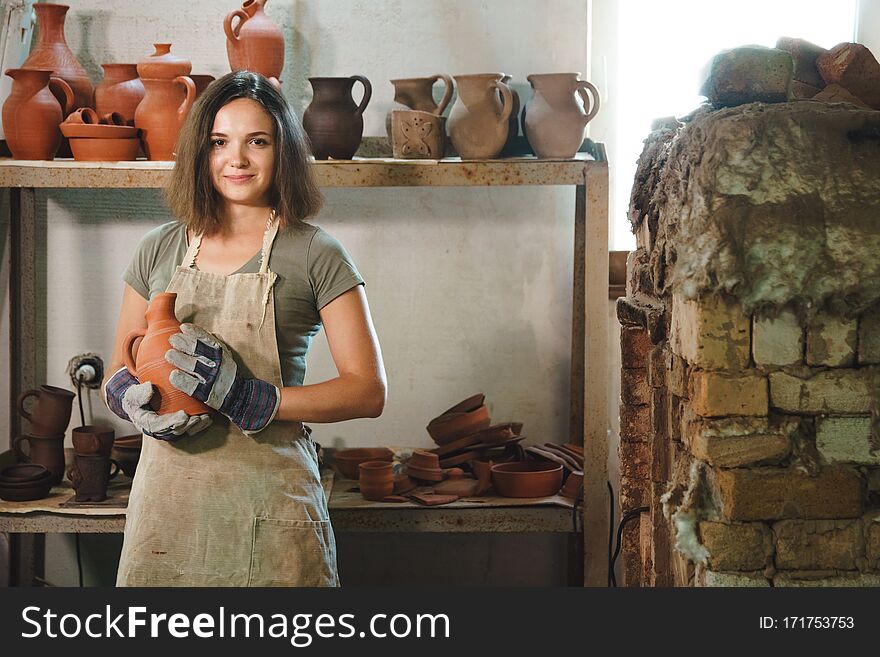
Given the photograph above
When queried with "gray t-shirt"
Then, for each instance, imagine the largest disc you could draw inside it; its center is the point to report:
(313, 268)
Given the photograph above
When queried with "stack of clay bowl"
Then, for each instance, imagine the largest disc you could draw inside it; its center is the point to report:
(570, 457)
(126, 452)
(20, 483)
(424, 466)
(346, 461)
(104, 139)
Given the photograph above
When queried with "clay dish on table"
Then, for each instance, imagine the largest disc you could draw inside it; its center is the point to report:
(105, 150)
(574, 483)
(348, 460)
(25, 490)
(98, 131)
(463, 419)
(24, 473)
(424, 465)
(503, 443)
(527, 478)
(499, 433)
(456, 445)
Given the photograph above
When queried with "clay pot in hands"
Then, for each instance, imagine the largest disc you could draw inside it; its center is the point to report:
(335, 125)
(90, 475)
(51, 414)
(254, 42)
(31, 113)
(52, 52)
(554, 120)
(120, 91)
(418, 94)
(161, 114)
(151, 365)
(47, 452)
(479, 120)
(376, 480)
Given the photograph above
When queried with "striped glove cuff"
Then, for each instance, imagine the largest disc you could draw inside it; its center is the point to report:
(251, 404)
(114, 391)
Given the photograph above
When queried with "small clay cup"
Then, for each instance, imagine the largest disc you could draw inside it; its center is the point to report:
(90, 475)
(348, 460)
(418, 135)
(93, 439)
(82, 115)
(112, 118)
(376, 480)
(47, 452)
(51, 415)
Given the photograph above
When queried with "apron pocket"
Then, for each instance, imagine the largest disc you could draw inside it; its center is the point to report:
(293, 553)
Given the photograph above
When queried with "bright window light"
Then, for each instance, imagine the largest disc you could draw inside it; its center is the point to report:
(662, 46)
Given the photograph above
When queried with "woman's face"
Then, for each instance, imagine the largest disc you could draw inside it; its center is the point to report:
(243, 153)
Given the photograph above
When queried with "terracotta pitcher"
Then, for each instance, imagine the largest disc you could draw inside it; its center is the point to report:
(51, 51)
(418, 94)
(31, 114)
(254, 43)
(333, 122)
(50, 414)
(479, 120)
(120, 91)
(151, 365)
(162, 112)
(554, 119)
(512, 123)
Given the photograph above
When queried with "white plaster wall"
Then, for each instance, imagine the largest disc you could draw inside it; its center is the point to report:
(469, 288)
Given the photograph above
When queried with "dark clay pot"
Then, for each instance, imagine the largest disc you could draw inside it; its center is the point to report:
(48, 452)
(90, 476)
(335, 125)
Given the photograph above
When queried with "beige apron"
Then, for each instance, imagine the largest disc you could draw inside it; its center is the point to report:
(221, 508)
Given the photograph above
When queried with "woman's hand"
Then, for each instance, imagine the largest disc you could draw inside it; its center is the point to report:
(208, 372)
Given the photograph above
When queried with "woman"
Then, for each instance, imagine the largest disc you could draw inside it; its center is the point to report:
(235, 498)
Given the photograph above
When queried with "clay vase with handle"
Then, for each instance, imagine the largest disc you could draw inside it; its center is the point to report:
(51, 51)
(150, 364)
(418, 94)
(254, 42)
(335, 125)
(554, 119)
(50, 414)
(161, 114)
(120, 91)
(32, 115)
(479, 121)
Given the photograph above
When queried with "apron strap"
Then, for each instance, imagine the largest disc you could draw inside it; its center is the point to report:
(268, 242)
(189, 260)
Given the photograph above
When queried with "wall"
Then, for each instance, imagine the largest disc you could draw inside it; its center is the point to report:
(469, 289)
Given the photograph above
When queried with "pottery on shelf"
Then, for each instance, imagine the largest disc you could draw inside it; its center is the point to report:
(31, 113)
(424, 465)
(151, 365)
(573, 486)
(201, 82)
(527, 478)
(52, 52)
(554, 120)
(104, 150)
(417, 135)
(93, 439)
(418, 94)
(45, 451)
(512, 122)
(21, 483)
(90, 475)
(97, 130)
(376, 480)
(254, 43)
(51, 413)
(24, 472)
(479, 121)
(126, 452)
(162, 64)
(465, 418)
(161, 114)
(333, 122)
(348, 460)
(120, 91)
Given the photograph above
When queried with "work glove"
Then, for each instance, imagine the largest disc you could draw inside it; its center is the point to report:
(208, 372)
(130, 401)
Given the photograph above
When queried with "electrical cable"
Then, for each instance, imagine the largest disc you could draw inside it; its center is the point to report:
(79, 567)
(611, 579)
(629, 515)
(82, 415)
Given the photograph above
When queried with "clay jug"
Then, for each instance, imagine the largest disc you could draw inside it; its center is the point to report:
(120, 91)
(151, 365)
(554, 119)
(333, 122)
(90, 475)
(31, 114)
(418, 94)
(51, 51)
(512, 123)
(254, 43)
(161, 114)
(50, 414)
(48, 452)
(163, 64)
(479, 120)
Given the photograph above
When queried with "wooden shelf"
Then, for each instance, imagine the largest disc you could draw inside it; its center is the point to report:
(359, 172)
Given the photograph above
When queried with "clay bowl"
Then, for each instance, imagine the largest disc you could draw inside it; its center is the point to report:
(27, 473)
(127, 456)
(499, 433)
(105, 150)
(424, 465)
(24, 490)
(452, 425)
(573, 485)
(527, 478)
(376, 480)
(348, 460)
(98, 131)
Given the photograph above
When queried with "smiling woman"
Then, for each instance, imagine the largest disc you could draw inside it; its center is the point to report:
(234, 497)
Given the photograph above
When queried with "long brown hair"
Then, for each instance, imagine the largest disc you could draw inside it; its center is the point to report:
(191, 195)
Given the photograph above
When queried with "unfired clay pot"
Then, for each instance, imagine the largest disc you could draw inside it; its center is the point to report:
(51, 414)
(418, 94)
(52, 52)
(333, 122)
(161, 114)
(479, 121)
(555, 121)
(512, 122)
(120, 91)
(48, 452)
(93, 439)
(151, 364)
(417, 135)
(254, 43)
(90, 475)
(31, 113)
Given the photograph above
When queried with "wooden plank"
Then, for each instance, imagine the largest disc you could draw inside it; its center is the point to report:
(438, 519)
(576, 392)
(22, 300)
(596, 378)
(360, 172)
